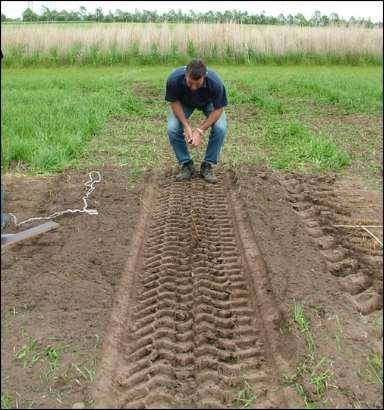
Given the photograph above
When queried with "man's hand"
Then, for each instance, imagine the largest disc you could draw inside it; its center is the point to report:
(196, 138)
(188, 134)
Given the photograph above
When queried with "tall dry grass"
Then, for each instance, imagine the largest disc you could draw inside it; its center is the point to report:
(211, 41)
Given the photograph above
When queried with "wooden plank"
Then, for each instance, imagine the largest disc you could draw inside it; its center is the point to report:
(13, 238)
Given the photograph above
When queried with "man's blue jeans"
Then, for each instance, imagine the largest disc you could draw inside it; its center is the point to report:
(216, 137)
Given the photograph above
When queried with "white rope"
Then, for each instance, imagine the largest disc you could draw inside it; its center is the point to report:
(91, 184)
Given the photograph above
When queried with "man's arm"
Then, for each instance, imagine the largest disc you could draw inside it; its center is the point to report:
(179, 112)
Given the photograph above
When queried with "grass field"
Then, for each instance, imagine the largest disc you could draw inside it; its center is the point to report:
(150, 43)
(60, 117)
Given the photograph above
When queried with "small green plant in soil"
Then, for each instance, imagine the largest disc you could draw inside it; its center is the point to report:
(6, 401)
(246, 397)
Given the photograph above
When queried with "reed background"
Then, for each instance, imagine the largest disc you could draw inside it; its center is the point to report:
(113, 43)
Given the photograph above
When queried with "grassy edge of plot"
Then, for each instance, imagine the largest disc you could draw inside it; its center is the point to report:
(55, 132)
(286, 142)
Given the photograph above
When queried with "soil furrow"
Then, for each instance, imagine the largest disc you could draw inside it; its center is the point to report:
(193, 332)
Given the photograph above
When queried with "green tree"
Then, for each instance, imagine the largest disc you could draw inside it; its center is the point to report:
(290, 19)
(109, 17)
(334, 18)
(73, 16)
(83, 13)
(300, 20)
(119, 15)
(316, 18)
(191, 16)
(62, 16)
(147, 16)
(352, 21)
(369, 23)
(45, 14)
(324, 20)
(99, 14)
(29, 15)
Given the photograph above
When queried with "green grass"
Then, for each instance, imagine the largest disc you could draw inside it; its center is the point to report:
(304, 327)
(375, 367)
(29, 353)
(53, 355)
(32, 351)
(320, 376)
(48, 117)
(6, 401)
(80, 117)
(246, 397)
(88, 374)
(53, 362)
(311, 370)
(292, 146)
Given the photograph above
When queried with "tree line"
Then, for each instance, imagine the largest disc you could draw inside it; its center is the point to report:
(172, 16)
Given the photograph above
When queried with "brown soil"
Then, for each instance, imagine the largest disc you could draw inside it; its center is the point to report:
(176, 295)
(59, 288)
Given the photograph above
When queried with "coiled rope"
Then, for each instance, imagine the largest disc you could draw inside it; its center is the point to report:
(91, 187)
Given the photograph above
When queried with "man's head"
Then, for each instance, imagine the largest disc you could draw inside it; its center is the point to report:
(195, 74)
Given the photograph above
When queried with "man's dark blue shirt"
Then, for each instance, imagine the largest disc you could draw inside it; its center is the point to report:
(212, 90)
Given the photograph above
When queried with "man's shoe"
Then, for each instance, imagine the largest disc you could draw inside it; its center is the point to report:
(186, 173)
(207, 173)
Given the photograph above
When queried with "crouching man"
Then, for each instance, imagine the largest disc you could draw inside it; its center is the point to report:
(195, 87)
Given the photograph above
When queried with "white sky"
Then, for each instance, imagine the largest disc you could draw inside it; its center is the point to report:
(345, 9)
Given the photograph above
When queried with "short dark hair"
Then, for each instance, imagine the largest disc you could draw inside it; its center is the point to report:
(196, 69)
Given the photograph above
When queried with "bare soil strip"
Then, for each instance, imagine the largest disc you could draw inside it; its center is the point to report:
(188, 329)
(202, 281)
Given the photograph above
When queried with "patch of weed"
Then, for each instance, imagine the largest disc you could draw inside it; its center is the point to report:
(312, 375)
(29, 353)
(246, 397)
(6, 401)
(375, 367)
(304, 327)
(53, 355)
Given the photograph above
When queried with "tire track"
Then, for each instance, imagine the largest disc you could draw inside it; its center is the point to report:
(191, 335)
(351, 256)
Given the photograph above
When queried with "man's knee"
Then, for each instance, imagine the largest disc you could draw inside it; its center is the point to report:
(174, 128)
(220, 129)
